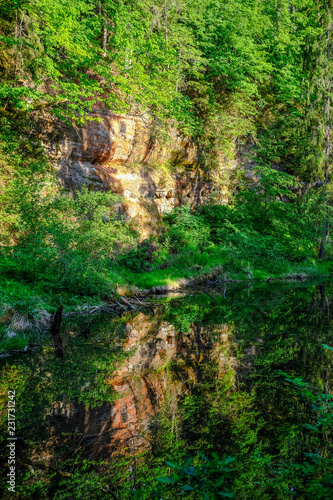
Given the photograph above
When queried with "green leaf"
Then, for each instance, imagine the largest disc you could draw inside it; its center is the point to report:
(167, 480)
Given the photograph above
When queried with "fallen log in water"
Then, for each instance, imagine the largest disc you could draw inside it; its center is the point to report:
(55, 332)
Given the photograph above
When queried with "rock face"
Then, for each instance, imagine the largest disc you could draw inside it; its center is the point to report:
(124, 154)
(120, 153)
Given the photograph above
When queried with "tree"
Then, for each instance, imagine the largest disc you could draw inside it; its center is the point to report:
(319, 95)
(318, 157)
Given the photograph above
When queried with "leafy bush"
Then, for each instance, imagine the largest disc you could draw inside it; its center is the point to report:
(207, 479)
(62, 241)
(138, 260)
(187, 231)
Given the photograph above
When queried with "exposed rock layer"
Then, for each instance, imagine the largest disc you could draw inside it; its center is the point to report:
(120, 153)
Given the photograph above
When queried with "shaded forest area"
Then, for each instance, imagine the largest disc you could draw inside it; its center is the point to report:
(221, 73)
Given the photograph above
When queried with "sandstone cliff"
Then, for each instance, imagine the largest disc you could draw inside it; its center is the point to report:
(122, 153)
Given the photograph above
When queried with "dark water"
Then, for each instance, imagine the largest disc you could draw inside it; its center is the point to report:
(200, 372)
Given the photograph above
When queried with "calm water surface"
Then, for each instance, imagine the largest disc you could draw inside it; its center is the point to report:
(202, 369)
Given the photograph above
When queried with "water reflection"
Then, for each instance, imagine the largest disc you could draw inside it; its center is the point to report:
(248, 334)
(119, 376)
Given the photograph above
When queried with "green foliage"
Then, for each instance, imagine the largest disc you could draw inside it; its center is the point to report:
(61, 240)
(208, 479)
(129, 55)
(220, 73)
(276, 426)
(80, 477)
(270, 229)
(138, 260)
(77, 381)
(187, 230)
(13, 343)
(312, 473)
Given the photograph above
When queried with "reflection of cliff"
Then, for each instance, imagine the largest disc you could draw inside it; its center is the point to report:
(143, 382)
(164, 362)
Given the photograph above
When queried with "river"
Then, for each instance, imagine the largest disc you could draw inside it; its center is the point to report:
(211, 372)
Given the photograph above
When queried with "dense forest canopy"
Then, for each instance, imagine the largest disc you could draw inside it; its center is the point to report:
(221, 73)
(218, 69)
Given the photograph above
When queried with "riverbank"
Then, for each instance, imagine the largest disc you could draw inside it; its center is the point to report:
(26, 308)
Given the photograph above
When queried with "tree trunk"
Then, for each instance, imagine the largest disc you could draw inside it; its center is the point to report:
(322, 295)
(105, 31)
(166, 22)
(278, 15)
(105, 39)
(328, 139)
(328, 111)
(323, 241)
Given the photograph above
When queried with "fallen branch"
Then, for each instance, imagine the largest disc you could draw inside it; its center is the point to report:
(127, 303)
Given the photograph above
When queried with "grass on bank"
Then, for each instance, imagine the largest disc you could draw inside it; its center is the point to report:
(33, 300)
(74, 251)
(213, 265)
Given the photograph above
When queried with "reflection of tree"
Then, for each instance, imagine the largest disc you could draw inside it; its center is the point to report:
(52, 391)
(286, 328)
(203, 376)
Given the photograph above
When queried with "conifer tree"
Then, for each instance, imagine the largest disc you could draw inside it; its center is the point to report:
(318, 121)
(320, 99)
